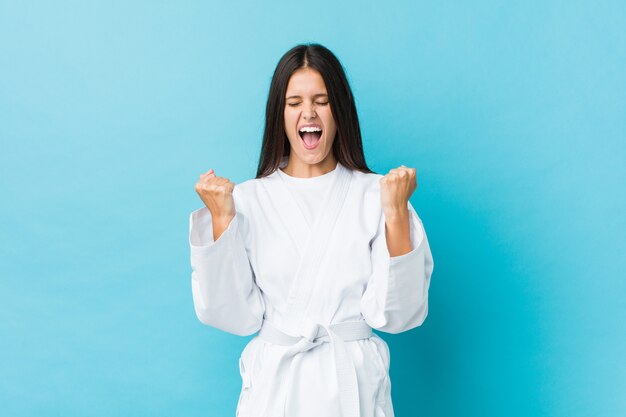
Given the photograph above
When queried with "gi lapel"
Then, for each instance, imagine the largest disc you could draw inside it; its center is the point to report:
(312, 250)
(308, 267)
(317, 244)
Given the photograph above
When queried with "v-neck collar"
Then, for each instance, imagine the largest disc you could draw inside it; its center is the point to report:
(311, 242)
(291, 214)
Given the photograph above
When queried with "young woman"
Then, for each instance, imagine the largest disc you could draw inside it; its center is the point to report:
(312, 253)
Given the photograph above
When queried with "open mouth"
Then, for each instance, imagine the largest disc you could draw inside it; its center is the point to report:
(310, 136)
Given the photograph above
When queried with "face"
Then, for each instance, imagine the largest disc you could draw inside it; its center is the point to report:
(309, 123)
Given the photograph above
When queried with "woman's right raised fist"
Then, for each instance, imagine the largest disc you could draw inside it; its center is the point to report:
(217, 194)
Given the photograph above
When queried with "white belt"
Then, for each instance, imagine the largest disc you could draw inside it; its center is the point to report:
(314, 334)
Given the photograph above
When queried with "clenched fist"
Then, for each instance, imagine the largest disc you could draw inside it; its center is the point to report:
(395, 189)
(217, 195)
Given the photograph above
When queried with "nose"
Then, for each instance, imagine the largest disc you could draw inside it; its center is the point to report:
(309, 112)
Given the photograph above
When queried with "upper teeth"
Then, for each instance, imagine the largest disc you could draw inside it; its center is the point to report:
(310, 129)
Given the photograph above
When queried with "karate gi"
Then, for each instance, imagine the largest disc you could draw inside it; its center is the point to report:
(313, 282)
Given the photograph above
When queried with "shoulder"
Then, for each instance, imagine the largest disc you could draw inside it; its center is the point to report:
(245, 188)
(255, 191)
(367, 181)
(365, 188)
(245, 193)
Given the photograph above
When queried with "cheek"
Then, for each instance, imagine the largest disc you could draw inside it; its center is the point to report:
(332, 130)
(329, 121)
(332, 137)
(289, 123)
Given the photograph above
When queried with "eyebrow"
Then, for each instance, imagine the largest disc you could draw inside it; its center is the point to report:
(314, 95)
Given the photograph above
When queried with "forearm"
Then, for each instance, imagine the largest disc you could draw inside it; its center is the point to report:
(219, 225)
(398, 232)
(396, 296)
(225, 294)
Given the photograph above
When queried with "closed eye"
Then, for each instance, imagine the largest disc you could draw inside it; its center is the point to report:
(297, 104)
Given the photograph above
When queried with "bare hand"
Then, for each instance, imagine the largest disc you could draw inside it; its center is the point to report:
(217, 194)
(395, 189)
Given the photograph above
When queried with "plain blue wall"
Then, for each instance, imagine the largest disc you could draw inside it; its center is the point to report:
(514, 115)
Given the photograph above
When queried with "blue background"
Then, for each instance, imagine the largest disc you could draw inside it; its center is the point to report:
(513, 114)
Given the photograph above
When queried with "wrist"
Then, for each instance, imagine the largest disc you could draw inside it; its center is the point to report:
(220, 224)
(396, 213)
(223, 220)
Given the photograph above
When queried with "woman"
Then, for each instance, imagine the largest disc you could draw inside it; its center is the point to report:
(313, 253)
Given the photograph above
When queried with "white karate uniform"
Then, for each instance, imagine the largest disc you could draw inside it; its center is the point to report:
(301, 256)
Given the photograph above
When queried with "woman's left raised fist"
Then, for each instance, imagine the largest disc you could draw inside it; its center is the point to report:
(396, 187)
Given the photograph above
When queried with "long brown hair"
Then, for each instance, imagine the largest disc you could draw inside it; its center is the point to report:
(347, 146)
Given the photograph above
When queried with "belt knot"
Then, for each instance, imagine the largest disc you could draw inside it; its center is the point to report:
(311, 334)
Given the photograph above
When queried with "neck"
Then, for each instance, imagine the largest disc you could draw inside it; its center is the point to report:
(297, 168)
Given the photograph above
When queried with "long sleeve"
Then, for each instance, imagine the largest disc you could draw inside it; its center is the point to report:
(225, 294)
(396, 297)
